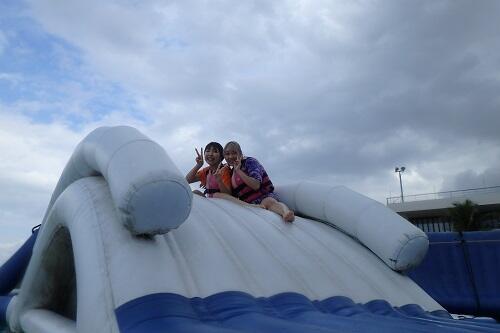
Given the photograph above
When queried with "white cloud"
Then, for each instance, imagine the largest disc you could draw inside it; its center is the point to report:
(325, 90)
(11, 78)
(7, 249)
(33, 156)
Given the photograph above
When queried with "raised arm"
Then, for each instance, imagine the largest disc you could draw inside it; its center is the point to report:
(252, 182)
(192, 176)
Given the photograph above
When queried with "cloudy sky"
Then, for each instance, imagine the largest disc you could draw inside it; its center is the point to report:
(332, 91)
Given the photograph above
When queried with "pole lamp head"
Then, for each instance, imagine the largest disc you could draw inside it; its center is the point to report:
(402, 169)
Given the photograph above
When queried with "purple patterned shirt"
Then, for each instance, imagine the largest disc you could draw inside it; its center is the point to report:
(253, 168)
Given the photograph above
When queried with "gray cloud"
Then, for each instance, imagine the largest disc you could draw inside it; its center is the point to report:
(323, 90)
(469, 179)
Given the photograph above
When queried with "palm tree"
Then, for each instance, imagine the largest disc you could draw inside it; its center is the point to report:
(466, 217)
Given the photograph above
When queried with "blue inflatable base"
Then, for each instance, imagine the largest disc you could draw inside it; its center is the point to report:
(235, 311)
(461, 272)
(12, 271)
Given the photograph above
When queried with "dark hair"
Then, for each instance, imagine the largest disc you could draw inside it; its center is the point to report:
(235, 144)
(218, 147)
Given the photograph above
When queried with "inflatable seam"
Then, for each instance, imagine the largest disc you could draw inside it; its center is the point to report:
(298, 274)
(172, 244)
(401, 248)
(319, 260)
(293, 273)
(242, 226)
(341, 258)
(269, 248)
(245, 273)
(91, 198)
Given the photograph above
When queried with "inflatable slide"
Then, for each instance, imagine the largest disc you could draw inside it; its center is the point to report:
(125, 247)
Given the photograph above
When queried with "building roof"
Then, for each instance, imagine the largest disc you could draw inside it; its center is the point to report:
(438, 203)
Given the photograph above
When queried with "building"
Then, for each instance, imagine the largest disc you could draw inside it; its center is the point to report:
(430, 211)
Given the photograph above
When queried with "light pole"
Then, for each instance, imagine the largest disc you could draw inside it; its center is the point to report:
(399, 170)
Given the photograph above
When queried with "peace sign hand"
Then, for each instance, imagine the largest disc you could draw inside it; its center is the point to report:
(237, 164)
(218, 172)
(199, 157)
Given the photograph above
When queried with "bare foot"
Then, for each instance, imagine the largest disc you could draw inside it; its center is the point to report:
(258, 205)
(289, 216)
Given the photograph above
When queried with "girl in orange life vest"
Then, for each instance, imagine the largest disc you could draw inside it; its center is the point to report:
(214, 178)
(251, 183)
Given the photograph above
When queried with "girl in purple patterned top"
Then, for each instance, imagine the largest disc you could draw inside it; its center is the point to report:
(251, 183)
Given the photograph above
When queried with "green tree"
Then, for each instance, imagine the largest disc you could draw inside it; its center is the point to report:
(466, 217)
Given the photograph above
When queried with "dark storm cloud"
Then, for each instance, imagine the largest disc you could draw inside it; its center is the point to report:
(429, 67)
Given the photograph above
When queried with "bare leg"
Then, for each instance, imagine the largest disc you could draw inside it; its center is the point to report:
(229, 197)
(279, 208)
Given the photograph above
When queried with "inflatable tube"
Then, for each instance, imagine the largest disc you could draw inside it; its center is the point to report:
(47, 321)
(393, 239)
(149, 192)
(12, 270)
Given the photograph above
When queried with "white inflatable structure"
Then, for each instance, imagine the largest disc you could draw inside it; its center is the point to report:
(124, 242)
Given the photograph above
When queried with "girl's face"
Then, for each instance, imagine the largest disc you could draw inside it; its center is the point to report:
(231, 154)
(213, 156)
